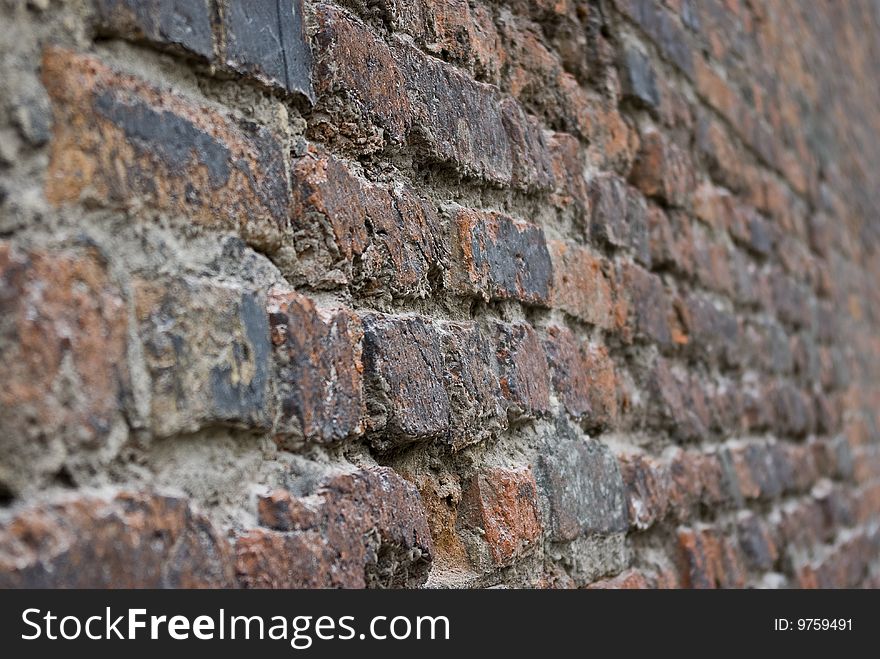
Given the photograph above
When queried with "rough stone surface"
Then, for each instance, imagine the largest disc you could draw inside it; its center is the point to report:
(503, 505)
(266, 39)
(404, 368)
(185, 24)
(500, 258)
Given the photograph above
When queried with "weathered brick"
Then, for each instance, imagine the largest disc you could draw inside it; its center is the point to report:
(267, 40)
(694, 478)
(584, 491)
(497, 257)
(455, 119)
(583, 376)
(207, 352)
(182, 24)
(639, 80)
(568, 165)
(502, 505)
(670, 406)
(629, 580)
(793, 414)
(471, 376)
(121, 142)
(647, 489)
(366, 528)
(755, 471)
(358, 78)
(319, 370)
(709, 560)
(619, 216)
(129, 540)
(535, 75)
(662, 169)
(350, 231)
(523, 372)
(452, 30)
(582, 284)
(713, 333)
(711, 262)
(757, 545)
(404, 370)
(650, 306)
(63, 352)
(723, 161)
(666, 33)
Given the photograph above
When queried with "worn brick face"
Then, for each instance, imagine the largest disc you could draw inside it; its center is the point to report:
(121, 142)
(582, 483)
(207, 351)
(63, 353)
(503, 504)
(366, 528)
(351, 231)
(404, 367)
(582, 285)
(267, 40)
(583, 377)
(184, 24)
(501, 258)
(130, 540)
(523, 372)
(320, 374)
(471, 375)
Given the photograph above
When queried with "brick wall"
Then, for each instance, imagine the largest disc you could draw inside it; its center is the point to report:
(439, 292)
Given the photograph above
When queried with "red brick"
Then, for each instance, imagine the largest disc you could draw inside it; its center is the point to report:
(581, 484)
(478, 407)
(497, 257)
(366, 528)
(349, 231)
(619, 216)
(129, 540)
(121, 142)
(709, 560)
(187, 28)
(63, 352)
(319, 377)
(757, 545)
(357, 77)
(713, 334)
(523, 372)
(670, 404)
(662, 169)
(650, 307)
(584, 378)
(629, 580)
(456, 120)
(502, 504)
(581, 284)
(647, 487)
(452, 30)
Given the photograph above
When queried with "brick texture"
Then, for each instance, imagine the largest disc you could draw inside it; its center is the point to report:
(445, 293)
